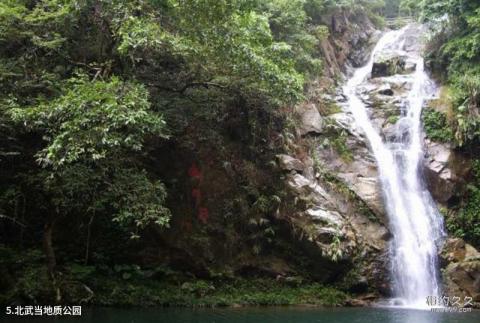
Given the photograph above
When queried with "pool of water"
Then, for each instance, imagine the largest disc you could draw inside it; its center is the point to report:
(260, 315)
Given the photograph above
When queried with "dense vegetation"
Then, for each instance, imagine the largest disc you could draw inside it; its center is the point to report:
(112, 114)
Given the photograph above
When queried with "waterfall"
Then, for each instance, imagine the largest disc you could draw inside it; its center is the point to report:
(415, 223)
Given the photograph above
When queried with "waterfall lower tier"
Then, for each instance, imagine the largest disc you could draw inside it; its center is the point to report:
(414, 221)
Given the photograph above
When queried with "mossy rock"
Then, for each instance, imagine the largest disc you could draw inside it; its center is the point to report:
(391, 65)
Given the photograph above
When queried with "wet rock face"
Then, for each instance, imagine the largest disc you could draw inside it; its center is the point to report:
(329, 216)
(388, 65)
(461, 270)
(386, 89)
(392, 64)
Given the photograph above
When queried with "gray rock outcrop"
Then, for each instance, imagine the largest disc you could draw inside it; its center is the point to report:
(461, 270)
(310, 120)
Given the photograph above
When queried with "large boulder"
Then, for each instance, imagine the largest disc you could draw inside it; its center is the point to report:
(323, 215)
(289, 163)
(391, 63)
(368, 189)
(444, 170)
(308, 188)
(385, 89)
(461, 270)
(310, 119)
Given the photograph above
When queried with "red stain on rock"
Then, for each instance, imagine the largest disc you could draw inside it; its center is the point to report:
(203, 215)
(194, 172)
(196, 194)
(196, 179)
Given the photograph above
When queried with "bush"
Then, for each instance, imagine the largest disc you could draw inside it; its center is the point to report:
(465, 222)
(436, 126)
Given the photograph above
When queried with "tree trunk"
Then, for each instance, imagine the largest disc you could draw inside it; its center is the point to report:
(50, 255)
(89, 234)
(48, 247)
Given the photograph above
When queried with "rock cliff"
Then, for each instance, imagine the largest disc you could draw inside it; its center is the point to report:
(332, 168)
(332, 175)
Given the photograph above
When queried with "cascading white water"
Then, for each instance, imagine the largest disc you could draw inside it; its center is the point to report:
(415, 223)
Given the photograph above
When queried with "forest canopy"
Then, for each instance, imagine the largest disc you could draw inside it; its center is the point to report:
(88, 88)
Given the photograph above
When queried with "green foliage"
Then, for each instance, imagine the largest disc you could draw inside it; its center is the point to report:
(436, 126)
(198, 287)
(409, 7)
(232, 46)
(85, 129)
(334, 251)
(373, 9)
(341, 147)
(204, 293)
(124, 192)
(467, 99)
(142, 34)
(31, 280)
(288, 21)
(315, 8)
(339, 143)
(129, 271)
(455, 48)
(92, 120)
(360, 4)
(38, 25)
(81, 272)
(454, 51)
(465, 222)
(393, 119)
(132, 285)
(336, 139)
(137, 200)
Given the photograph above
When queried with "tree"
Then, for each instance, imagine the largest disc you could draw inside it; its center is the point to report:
(91, 134)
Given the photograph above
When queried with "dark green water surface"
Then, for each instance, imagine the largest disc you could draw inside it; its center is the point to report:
(260, 315)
